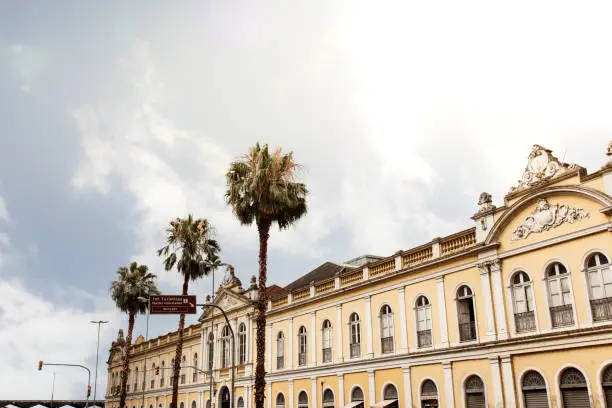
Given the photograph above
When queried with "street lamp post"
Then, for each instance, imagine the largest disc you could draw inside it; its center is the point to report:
(144, 371)
(41, 364)
(98, 322)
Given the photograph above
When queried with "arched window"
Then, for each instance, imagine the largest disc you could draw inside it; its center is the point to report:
(303, 345)
(171, 372)
(386, 325)
(195, 364)
(162, 374)
(302, 399)
(474, 392)
(193, 404)
(423, 320)
(211, 351)
(136, 379)
(357, 395)
(522, 296)
(161, 406)
(355, 335)
(599, 275)
(181, 405)
(466, 314)
(183, 364)
(574, 391)
(390, 393)
(280, 350)
(208, 404)
(242, 343)
(225, 347)
(327, 341)
(280, 400)
(240, 402)
(560, 298)
(328, 399)
(429, 394)
(150, 405)
(606, 384)
(153, 376)
(534, 390)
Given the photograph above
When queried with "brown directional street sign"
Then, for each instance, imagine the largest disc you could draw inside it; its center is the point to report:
(172, 304)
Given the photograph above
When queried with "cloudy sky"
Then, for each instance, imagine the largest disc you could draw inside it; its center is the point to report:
(116, 116)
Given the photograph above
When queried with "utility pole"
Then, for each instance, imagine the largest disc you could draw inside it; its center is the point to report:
(98, 322)
(52, 389)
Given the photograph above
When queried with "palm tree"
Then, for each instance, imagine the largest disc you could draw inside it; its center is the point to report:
(131, 292)
(262, 188)
(190, 245)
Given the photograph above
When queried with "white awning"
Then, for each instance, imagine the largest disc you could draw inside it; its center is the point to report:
(384, 403)
(354, 404)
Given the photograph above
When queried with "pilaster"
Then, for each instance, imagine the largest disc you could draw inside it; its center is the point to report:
(269, 395)
(290, 339)
(402, 315)
(498, 298)
(313, 339)
(442, 310)
(498, 396)
(407, 388)
(290, 396)
(508, 381)
(488, 302)
(448, 384)
(339, 342)
(269, 347)
(341, 390)
(368, 324)
(371, 387)
(313, 392)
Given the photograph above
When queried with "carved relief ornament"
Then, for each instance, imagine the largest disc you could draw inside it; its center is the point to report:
(546, 217)
(541, 166)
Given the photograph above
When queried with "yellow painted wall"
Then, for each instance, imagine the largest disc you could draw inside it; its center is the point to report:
(356, 306)
(300, 384)
(276, 329)
(393, 376)
(360, 379)
(280, 387)
(377, 301)
(451, 284)
(420, 373)
(323, 314)
(463, 369)
(427, 288)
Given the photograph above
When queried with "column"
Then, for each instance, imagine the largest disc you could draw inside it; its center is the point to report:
(290, 396)
(498, 298)
(313, 392)
(442, 312)
(371, 387)
(249, 338)
(290, 340)
(339, 342)
(247, 397)
(488, 302)
(448, 384)
(269, 346)
(368, 327)
(402, 314)
(508, 381)
(216, 348)
(498, 396)
(234, 324)
(408, 388)
(269, 395)
(341, 390)
(313, 339)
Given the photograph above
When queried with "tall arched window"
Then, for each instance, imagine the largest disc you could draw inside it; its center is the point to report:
(153, 376)
(423, 320)
(386, 326)
(136, 379)
(560, 298)
(211, 351)
(303, 346)
(182, 405)
(474, 392)
(522, 296)
(357, 396)
(302, 399)
(183, 364)
(390, 393)
(534, 390)
(242, 343)
(162, 374)
(355, 335)
(466, 314)
(574, 391)
(429, 394)
(327, 341)
(328, 399)
(195, 364)
(240, 402)
(280, 350)
(193, 404)
(599, 275)
(606, 384)
(225, 347)
(280, 400)
(171, 372)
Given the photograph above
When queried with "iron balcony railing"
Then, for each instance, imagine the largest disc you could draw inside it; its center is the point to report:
(562, 315)
(355, 350)
(424, 338)
(525, 321)
(387, 344)
(602, 309)
(327, 355)
(280, 362)
(467, 331)
(302, 359)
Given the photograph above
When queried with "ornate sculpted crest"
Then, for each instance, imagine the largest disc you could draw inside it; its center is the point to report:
(229, 279)
(541, 166)
(485, 202)
(546, 217)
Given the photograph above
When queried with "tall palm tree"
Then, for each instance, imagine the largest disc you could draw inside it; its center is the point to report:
(131, 292)
(190, 245)
(261, 187)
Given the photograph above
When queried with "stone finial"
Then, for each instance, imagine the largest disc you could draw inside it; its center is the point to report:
(253, 282)
(485, 202)
(609, 152)
(120, 338)
(207, 298)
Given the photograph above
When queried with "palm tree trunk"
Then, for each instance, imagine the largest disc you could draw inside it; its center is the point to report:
(263, 227)
(126, 354)
(179, 350)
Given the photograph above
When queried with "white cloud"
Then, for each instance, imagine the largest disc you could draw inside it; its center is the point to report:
(4, 215)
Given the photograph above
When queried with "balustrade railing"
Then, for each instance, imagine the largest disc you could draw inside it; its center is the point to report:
(467, 331)
(424, 338)
(355, 350)
(327, 355)
(302, 359)
(562, 315)
(525, 322)
(387, 344)
(601, 309)
(280, 362)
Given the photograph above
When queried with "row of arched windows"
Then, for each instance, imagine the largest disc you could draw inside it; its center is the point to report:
(225, 346)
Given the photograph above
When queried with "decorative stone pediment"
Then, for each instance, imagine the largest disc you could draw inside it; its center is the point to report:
(228, 300)
(541, 166)
(546, 217)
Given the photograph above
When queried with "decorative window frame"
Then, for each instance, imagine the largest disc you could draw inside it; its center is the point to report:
(415, 326)
(510, 294)
(484, 383)
(550, 328)
(587, 287)
(275, 351)
(284, 399)
(385, 385)
(350, 395)
(558, 384)
(246, 341)
(361, 342)
(240, 398)
(421, 388)
(476, 317)
(331, 341)
(299, 345)
(380, 329)
(602, 367)
(297, 395)
(519, 385)
(323, 393)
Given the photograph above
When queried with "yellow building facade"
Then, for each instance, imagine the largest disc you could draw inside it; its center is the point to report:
(513, 312)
